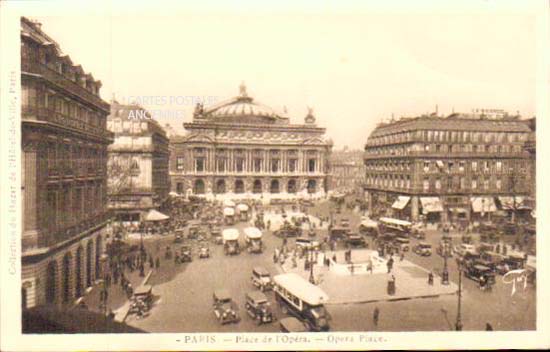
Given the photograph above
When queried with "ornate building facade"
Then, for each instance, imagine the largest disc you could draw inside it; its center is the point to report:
(347, 171)
(243, 148)
(451, 168)
(138, 178)
(64, 156)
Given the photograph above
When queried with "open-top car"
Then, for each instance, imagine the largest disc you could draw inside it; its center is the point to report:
(258, 307)
(261, 278)
(230, 239)
(216, 235)
(253, 239)
(225, 309)
(142, 299)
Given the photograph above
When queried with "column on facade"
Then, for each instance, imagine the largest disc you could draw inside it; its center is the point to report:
(414, 208)
(30, 183)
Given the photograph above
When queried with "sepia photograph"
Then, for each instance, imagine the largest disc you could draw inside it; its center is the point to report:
(334, 172)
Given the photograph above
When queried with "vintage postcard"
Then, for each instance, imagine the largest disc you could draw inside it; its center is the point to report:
(273, 176)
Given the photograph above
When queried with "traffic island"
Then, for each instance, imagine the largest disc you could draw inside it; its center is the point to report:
(354, 282)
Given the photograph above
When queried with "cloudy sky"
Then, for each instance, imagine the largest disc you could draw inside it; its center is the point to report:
(355, 65)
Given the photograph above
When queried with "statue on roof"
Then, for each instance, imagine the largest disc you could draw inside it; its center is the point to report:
(310, 119)
(242, 90)
(199, 110)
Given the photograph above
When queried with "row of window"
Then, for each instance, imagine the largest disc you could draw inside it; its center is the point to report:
(275, 165)
(47, 57)
(62, 105)
(451, 136)
(445, 148)
(68, 158)
(68, 205)
(449, 183)
(450, 166)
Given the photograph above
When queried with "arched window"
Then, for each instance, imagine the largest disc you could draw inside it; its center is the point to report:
(51, 279)
(311, 186)
(66, 276)
(220, 186)
(274, 186)
(239, 186)
(257, 187)
(198, 188)
(291, 186)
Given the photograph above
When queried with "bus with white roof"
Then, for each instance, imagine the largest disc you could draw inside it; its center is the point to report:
(298, 297)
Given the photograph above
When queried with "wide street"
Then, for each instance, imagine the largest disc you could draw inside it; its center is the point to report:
(184, 295)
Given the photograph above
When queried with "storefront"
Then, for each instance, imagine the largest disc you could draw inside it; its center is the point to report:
(431, 208)
(482, 207)
(400, 209)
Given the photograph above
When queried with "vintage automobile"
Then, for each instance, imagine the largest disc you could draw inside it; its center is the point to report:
(463, 249)
(258, 307)
(356, 240)
(194, 229)
(185, 254)
(204, 251)
(253, 240)
(512, 262)
(216, 235)
(467, 239)
(338, 232)
(423, 249)
(288, 230)
(291, 324)
(368, 227)
(493, 260)
(305, 243)
(402, 243)
(344, 222)
(485, 247)
(178, 238)
(142, 299)
(475, 271)
(261, 278)
(225, 309)
(230, 238)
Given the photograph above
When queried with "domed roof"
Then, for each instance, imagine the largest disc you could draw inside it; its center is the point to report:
(243, 108)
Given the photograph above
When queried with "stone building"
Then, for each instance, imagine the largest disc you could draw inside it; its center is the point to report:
(455, 168)
(138, 178)
(242, 148)
(347, 170)
(64, 156)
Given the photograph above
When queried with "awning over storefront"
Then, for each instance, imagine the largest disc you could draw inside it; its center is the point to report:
(401, 202)
(154, 215)
(483, 204)
(431, 205)
(507, 203)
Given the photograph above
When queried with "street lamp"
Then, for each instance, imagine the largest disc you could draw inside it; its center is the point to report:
(311, 277)
(458, 325)
(445, 274)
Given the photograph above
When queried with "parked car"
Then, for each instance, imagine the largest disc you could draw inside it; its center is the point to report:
(475, 271)
(402, 243)
(423, 249)
(261, 278)
(225, 309)
(258, 307)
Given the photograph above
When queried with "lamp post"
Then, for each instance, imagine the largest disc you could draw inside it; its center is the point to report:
(445, 274)
(311, 277)
(458, 325)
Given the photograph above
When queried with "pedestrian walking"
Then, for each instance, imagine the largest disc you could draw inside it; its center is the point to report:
(157, 263)
(376, 316)
(488, 327)
(430, 279)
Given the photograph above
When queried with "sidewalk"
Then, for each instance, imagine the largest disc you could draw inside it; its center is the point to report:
(411, 282)
(117, 298)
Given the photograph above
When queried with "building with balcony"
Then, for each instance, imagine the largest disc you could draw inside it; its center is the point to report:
(450, 169)
(137, 169)
(347, 170)
(241, 148)
(64, 157)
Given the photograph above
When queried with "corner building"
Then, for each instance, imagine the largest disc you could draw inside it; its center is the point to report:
(64, 154)
(446, 169)
(138, 163)
(241, 148)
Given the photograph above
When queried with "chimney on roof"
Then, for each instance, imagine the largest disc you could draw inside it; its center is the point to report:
(436, 110)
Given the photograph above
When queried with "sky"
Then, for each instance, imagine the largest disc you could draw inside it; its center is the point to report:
(354, 68)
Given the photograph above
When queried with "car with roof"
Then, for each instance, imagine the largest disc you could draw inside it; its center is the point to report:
(225, 309)
(258, 307)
